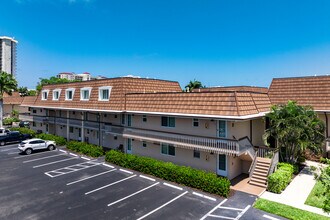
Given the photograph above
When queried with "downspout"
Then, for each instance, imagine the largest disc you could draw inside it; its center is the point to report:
(326, 125)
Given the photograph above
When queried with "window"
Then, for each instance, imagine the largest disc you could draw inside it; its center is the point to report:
(34, 124)
(104, 93)
(69, 94)
(195, 122)
(56, 94)
(85, 93)
(129, 144)
(197, 154)
(144, 144)
(168, 149)
(123, 119)
(71, 129)
(44, 94)
(168, 121)
(34, 111)
(144, 118)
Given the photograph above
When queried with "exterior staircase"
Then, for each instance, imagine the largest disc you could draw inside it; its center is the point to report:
(260, 172)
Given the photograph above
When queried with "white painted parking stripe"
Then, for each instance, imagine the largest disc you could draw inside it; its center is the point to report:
(270, 217)
(111, 184)
(77, 181)
(36, 154)
(85, 158)
(10, 145)
(148, 178)
(126, 171)
(220, 216)
(162, 206)
(207, 214)
(71, 169)
(231, 208)
(107, 165)
(42, 158)
(14, 148)
(14, 153)
(75, 155)
(243, 212)
(133, 194)
(172, 186)
(204, 196)
(49, 175)
(58, 161)
(63, 151)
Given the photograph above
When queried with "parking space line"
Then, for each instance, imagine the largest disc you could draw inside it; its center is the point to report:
(133, 194)
(75, 155)
(111, 184)
(30, 155)
(85, 158)
(77, 181)
(243, 212)
(71, 168)
(42, 158)
(13, 148)
(10, 145)
(207, 214)
(13, 153)
(126, 171)
(148, 178)
(107, 165)
(58, 161)
(270, 217)
(204, 196)
(172, 186)
(63, 151)
(220, 216)
(162, 206)
(230, 208)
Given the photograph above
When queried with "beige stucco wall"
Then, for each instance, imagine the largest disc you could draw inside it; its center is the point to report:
(258, 129)
(234, 167)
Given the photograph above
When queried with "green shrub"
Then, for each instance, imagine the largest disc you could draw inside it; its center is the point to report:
(24, 131)
(60, 141)
(208, 182)
(9, 121)
(85, 148)
(325, 160)
(279, 180)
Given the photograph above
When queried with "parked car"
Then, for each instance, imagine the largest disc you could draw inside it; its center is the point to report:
(24, 124)
(28, 146)
(13, 137)
(4, 131)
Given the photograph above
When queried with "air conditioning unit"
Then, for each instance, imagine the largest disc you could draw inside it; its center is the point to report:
(327, 149)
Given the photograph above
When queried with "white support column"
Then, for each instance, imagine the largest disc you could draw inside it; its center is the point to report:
(67, 126)
(82, 127)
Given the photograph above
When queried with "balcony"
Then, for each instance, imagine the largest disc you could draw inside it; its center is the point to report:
(212, 145)
(61, 121)
(75, 122)
(91, 125)
(25, 117)
(110, 129)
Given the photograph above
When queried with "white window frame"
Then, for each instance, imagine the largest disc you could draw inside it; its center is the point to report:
(66, 94)
(104, 88)
(43, 92)
(167, 152)
(89, 89)
(59, 94)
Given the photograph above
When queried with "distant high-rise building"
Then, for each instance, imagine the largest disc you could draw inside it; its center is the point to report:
(8, 55)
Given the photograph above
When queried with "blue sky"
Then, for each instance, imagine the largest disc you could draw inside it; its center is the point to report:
(217, 42)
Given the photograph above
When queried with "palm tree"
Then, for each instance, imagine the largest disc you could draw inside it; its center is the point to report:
(295, 129)
(8, 84)
(193, 85)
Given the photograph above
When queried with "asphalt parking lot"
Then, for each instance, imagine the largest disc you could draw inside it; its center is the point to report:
(62, 185)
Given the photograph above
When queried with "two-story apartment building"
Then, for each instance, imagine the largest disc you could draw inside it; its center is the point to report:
(210, 130)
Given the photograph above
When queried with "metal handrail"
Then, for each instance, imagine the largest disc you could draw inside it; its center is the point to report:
(253, 164)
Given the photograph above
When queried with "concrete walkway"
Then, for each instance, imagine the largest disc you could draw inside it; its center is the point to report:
(298, 190)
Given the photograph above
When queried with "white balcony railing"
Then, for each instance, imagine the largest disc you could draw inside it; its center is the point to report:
(215, 145)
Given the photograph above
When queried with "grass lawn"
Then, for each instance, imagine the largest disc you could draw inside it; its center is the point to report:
(287, 211)
(316, 197)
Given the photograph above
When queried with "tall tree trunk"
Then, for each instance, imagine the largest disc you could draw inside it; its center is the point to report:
(1, 112)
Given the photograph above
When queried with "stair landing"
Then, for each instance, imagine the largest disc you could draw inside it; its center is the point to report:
(241, 183)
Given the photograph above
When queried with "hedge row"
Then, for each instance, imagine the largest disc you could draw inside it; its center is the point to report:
(9, 121)
(24, 131)
(281, 178)
(60, 141)
(325, 160)
(84, 148)
(208, 182)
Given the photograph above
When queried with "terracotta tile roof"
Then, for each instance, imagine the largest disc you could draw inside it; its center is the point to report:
(29, 100)
(226, 104)
(14, 99)
(313, 90)
(120, 86)
(233, 88)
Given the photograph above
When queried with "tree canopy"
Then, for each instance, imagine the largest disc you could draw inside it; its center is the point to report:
(24, 91)
(8, 84)
(193, 85)
(295, 129)
(51, 80)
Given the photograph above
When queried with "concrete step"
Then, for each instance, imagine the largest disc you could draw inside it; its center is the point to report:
(258, 180)
(264, 178)
(263, 162)
(258, 184)
(263, 173)
(261, 169)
